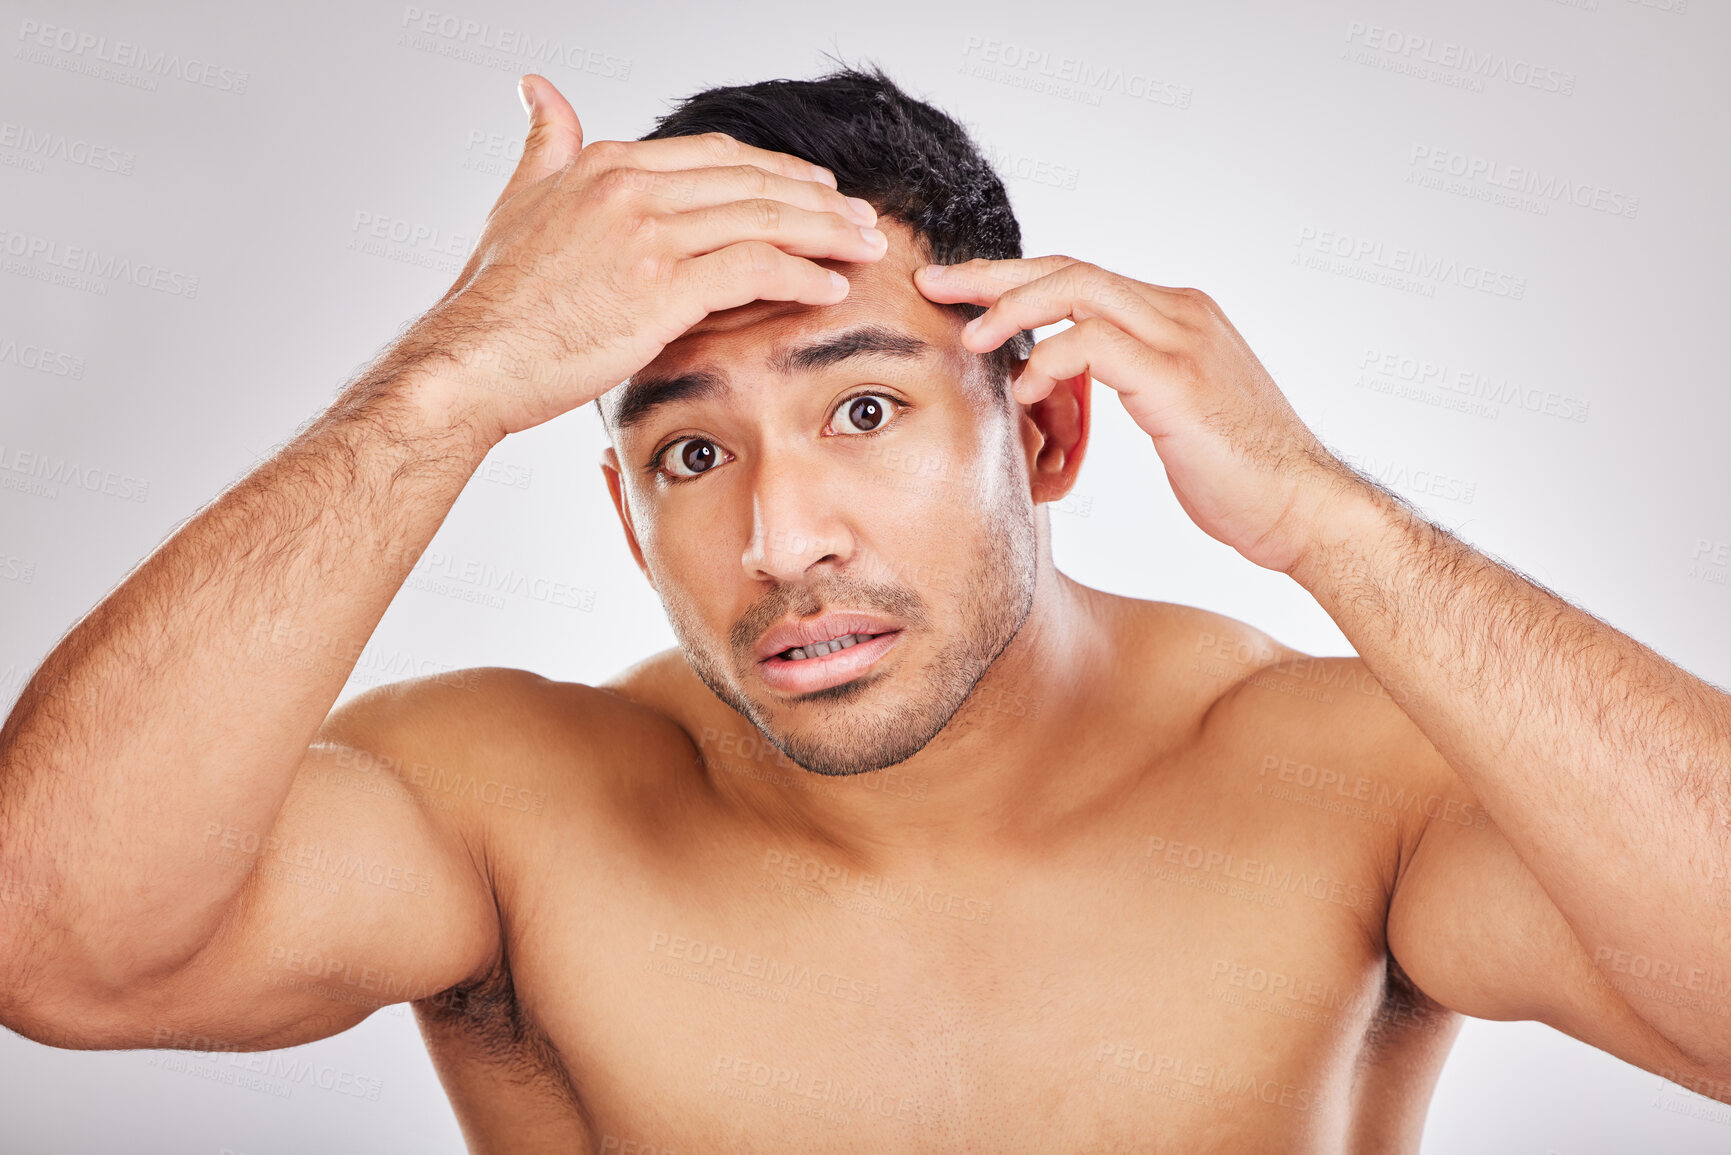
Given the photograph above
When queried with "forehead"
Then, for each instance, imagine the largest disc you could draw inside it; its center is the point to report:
(881, 292)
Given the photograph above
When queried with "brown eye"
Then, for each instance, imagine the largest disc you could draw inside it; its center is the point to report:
(862, 414)
(690, 457)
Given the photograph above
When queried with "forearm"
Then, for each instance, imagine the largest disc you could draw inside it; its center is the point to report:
(1603, 764)
(185, 701)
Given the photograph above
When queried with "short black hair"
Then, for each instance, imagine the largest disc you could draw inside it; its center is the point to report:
(912, 161)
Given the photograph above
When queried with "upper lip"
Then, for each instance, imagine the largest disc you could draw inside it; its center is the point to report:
(805, 631)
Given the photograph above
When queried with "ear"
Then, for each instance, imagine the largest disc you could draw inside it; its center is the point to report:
(1055, 437)
(616, 488)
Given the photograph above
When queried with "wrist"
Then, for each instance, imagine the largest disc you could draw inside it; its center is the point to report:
(1355, 520)
(419, 409)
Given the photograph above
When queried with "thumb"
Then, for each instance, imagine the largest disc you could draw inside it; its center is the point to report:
(555, 134)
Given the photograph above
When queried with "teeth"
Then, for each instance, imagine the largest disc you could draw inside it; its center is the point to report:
(819, 649)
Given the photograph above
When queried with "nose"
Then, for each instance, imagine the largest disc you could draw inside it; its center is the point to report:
(795, 524)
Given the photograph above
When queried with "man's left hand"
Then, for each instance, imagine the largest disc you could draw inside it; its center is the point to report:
(1240, 462)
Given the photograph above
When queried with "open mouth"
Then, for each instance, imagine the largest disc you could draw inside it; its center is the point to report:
(821, 649)
(823, 665)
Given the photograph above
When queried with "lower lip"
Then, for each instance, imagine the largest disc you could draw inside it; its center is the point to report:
(832, 669)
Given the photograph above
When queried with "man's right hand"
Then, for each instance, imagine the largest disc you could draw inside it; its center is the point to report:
(594, 258)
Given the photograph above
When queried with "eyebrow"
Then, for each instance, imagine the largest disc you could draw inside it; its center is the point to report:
(860, 341)
(643, 395)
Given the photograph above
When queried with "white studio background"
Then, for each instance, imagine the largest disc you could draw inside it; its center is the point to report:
(1550, 383)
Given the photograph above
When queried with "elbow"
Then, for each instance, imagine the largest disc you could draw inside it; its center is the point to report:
(1704, 1072)
(71, 1024)
(55, 1002)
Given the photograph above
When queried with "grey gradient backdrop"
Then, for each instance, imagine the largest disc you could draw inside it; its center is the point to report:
(1550, 381)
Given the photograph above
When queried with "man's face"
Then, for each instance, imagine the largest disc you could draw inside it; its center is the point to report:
(844, 471)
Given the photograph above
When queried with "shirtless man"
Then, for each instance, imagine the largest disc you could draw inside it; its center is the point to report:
(1022, 866)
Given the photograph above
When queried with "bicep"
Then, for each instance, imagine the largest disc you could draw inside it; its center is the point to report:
(364, 893)
(1474, 929)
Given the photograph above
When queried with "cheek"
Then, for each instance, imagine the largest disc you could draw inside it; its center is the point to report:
(685, 547)
(921, 536)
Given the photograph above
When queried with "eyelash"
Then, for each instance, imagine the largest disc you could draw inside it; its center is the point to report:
(660, 455)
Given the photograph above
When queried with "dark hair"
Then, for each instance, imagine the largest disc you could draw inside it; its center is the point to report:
(909, 159)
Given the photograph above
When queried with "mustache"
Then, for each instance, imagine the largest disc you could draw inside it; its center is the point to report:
(891, 599)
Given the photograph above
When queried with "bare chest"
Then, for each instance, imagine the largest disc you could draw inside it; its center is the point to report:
(1188, 985)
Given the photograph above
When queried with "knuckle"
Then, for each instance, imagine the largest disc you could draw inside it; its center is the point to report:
(617, 183)
(718, 144)
(1094, 331)
(656, 269)
(766, 214)
(760, 258)
(641, 227)
(755, 180)
(1115, 293)
(604, 154)
(1186, 368)
(1030, 297)
(535, 139)
(1200, 299)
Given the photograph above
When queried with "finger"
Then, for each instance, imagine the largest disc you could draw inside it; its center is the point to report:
(555, 134)
(1076, 292)
(713, 149)
(795, 230)
(981, 281)
(756, 271)
(700, 188)
(1095, 347)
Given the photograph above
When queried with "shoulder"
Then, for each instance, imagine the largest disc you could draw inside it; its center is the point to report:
(487, 710)
(1263, 690)
(1325, 738)
(492, 741)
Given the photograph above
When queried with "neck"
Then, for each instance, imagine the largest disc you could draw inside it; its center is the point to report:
(1002, 770)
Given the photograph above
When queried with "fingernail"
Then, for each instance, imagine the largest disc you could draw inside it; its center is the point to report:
(874, 238)
(972, 327)
(837, 281)
(935, 271)
(523, 95)
(824, 175)
(862, 211)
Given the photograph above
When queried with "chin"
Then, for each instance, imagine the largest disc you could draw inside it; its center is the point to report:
(842, 751)
(878, 721)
